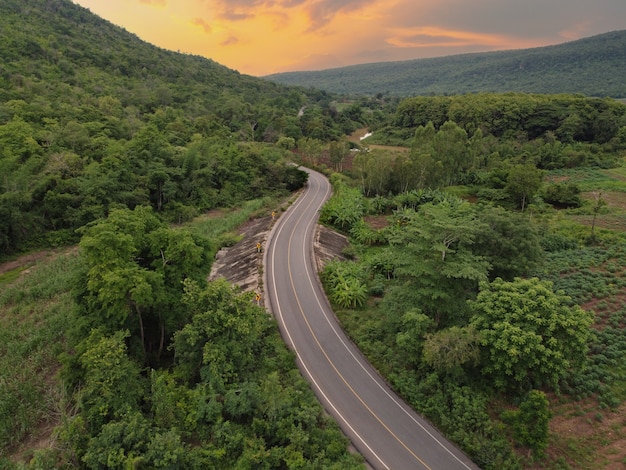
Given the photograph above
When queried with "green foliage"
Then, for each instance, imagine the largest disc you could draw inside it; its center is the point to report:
(33, 320)
(461, 412)
(131, 442)
(449, 349)
(246, 397)
(414, 332)
(509, 242)
(365, 235)
(135, 267)
(530, 422)
(523, 182)
(121, 123)
(563, 195)
(346, 284)
(374, 171)
(511, 128)
(530, 335)
(112, 385)
(432, 253)
(588, 273)
(184, 415)
(209, 345)
(288, 143)
(344, 209)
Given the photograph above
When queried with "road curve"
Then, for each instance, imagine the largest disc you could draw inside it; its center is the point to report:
(385, 430)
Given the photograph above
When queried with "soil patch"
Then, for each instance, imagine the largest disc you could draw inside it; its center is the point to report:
(585, 436)
(28, 260)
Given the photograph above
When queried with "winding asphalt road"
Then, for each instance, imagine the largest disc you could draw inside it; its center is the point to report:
(380, 425)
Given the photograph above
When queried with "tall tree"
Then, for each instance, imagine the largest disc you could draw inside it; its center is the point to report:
(433, 253)
(523, 182)
(135, 269)
(509, 241)
(451, 149)
(211, 346)
(530, 335)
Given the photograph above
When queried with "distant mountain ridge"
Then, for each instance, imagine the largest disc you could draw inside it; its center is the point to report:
(593, 66)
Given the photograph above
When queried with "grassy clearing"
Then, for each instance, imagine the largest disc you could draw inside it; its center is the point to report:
(219, 222)
(594, 179)
(610, 185)
(33, 317)
(10, 276)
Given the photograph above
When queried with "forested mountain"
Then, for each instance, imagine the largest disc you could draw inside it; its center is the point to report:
(592, 66)
(91, 117)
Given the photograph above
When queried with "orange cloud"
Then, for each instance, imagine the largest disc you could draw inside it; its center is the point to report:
(430, 36)
(203, 24)
(230, 41)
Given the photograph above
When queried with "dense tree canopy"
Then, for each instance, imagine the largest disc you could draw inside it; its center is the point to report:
(530, 335)
(135, 269)
(171, 372)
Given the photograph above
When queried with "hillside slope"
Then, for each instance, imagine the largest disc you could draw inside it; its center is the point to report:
(593, 66)
(92, 117)
(75, 51)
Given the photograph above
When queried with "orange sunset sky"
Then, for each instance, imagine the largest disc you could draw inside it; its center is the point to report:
(260, 37)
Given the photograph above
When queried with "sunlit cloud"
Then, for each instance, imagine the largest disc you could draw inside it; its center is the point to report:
(230, 41)
(421, 37)
(160, 3)
(203, 24)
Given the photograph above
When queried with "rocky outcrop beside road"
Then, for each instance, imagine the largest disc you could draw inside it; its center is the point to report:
(242, 264)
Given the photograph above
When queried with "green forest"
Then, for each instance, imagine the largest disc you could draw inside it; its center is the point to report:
(484, 277)
(591, 66)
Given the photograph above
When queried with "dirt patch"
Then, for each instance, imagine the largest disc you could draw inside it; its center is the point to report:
(586, 437)
(377, 222)
(557, 179)
(28, 260)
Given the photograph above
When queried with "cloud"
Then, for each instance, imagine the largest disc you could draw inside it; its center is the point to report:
(230, 41)
(203, 24)
(535, 21)
(159, 3)
(320, 12)
(238, 10)
(236, 15)
(324, 11)
(427, 36)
